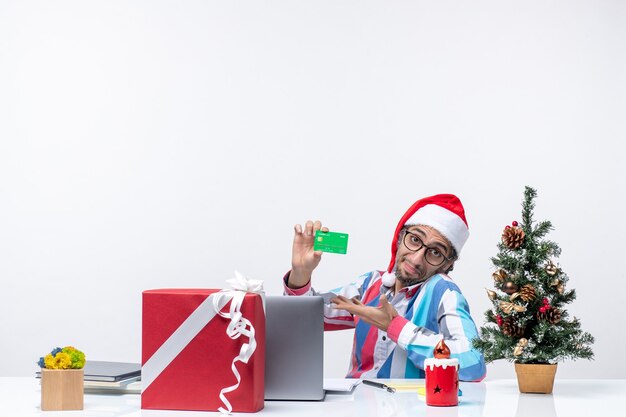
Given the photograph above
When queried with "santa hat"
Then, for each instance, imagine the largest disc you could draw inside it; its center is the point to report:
(443, 212)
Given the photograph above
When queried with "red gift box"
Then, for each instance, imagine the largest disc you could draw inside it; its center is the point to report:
(187, 355)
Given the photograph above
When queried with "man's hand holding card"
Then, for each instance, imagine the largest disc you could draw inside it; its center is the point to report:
(308, 245)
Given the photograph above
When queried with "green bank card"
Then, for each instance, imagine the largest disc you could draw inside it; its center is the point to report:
(331, 242)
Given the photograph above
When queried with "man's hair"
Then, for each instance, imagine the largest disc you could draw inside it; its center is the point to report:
(452, 256)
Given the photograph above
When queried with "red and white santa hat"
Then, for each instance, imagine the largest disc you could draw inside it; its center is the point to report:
(443, 212)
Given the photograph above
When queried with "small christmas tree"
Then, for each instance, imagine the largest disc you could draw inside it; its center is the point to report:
(528, 322)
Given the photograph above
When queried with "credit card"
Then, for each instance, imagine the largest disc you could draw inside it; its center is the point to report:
(332, 242)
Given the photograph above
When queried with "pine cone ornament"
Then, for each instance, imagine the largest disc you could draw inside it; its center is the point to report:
(510, 328)
(554, 315)
(527, 293)
(551, 315)
(513, 237)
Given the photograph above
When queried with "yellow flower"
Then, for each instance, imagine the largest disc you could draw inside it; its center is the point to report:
(62, 361)
(49, 361)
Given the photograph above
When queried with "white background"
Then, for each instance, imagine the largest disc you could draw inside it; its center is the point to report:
(151, 144)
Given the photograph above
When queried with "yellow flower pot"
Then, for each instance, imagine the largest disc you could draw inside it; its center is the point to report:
(535, 378)
(62, 389)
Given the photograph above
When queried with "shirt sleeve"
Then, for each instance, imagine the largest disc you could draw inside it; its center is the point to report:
(456, 327)
(334, 319)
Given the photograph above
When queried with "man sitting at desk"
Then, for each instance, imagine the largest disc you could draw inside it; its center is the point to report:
(400, 314)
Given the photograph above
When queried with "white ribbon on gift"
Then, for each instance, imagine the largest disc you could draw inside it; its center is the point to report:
(238, 326)
(196, 321)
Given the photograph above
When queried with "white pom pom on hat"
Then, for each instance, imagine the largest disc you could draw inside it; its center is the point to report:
(389, 279)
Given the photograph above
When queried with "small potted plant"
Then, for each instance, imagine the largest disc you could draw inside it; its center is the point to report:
(528, 323)
(62, 379)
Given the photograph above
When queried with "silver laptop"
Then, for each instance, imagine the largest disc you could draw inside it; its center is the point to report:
(294, 350)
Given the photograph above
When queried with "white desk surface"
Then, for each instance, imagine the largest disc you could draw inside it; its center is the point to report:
(498, 398)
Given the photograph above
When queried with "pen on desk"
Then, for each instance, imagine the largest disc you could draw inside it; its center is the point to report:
(379, 385)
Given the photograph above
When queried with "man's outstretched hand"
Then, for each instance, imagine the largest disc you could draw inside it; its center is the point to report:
(376, 316)
(303, 258)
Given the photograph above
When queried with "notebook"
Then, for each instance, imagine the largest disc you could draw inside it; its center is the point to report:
(294, 352)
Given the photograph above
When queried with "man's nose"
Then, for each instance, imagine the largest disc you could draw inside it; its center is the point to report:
(417, 257)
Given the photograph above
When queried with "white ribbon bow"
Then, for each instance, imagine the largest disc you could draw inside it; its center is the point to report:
(242, 283)
(238, 326)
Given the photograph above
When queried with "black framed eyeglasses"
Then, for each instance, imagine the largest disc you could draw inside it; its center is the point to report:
(433, 255)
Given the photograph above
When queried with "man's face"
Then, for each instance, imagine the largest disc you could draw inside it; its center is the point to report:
(411, 267)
